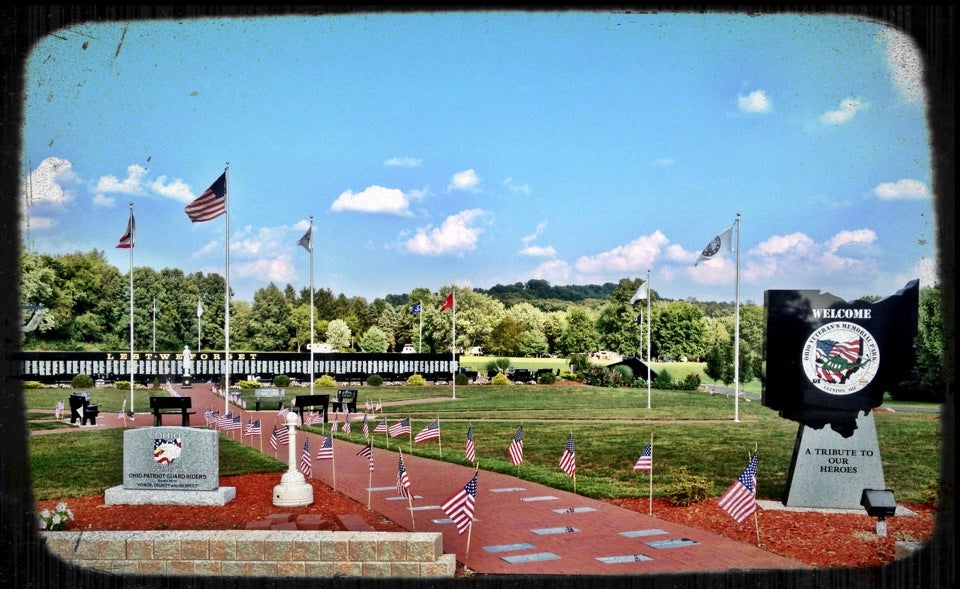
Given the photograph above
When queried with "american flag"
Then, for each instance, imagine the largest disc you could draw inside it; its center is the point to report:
(346, 423)
(368, 452)
(283, 435)
(225, 421)
(305, 463)
(211, 204)
(235, 423)
(368, 405)
(335, 424)
(58, 409)
(366, 427)
(568, 460)
(460, 507)
(312, 418)
(837, 360)
(166, 451)
(516, 447)
(381, 427)
(326, 449)
(400, 428)
(253, 428)
(283, 412)
(403, 479)
(273, 438)
(126, 242)
(470, 450)
(740, 500)
(209, 416)
(430, 432)
(379, 406)
(645, 462)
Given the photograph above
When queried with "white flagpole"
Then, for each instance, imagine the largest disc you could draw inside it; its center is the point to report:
(311, 319)
(199, 314)
(226, 310)
(154, 324)
(736, 336)
(133, 242)
(649, 296)
(453, 348)
(420, 341)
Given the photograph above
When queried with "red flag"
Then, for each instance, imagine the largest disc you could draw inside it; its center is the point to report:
(127, 240)
(211, 204)
(448, 303)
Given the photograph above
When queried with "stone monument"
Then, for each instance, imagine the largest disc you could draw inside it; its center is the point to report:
(170, 466)
(293, 490)
(187, 368)
(828, 363)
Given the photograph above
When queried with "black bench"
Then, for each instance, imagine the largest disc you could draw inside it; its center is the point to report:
(520, 375)
(345, 396)
(301, 402)
(171, 405)
(80, 408)
(268, 394)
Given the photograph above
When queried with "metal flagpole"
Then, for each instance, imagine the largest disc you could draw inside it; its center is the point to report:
(199, 314)
(133, 242)
(649, 317)
(226, 309)
(311, 321)
(736, 336)
(154, 313)
(420, 341)
(453, 348)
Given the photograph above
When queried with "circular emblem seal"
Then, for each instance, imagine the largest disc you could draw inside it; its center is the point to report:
(841, 358)
(712, 248)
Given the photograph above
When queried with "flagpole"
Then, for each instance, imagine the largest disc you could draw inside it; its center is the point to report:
(736, 336)
(420, 340)
(453, 348)
(226, 309)
(154, 324)
(132, 243)
(439, 441)
(649, 296)
(650, 508)
(333, 461)
(199, 315)
(311, 313)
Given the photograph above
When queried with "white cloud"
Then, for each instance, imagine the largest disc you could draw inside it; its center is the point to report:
(537, 231)
(537, 251)
(404, 162)
(756, 101)
(517, 188)
(553, 271)
(845, 112)
(276, 269)
(177, 190)
(456, 235)
(374, 199)
(906, 66)
(848, 238)
(100, 200)
(663, 162)
(902, 189)
(129, 185)
(636, 256)
(45, 183)
(797, 243)
(465, 180)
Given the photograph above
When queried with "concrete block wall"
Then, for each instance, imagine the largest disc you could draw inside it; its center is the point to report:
(257, 553)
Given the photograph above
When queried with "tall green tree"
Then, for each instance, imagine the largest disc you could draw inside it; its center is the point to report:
(678, 330)
(580, 335)
(271, 328)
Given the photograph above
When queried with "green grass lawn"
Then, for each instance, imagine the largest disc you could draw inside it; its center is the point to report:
(693, 431)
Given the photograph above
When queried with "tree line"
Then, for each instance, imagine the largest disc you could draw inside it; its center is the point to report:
(87, 304)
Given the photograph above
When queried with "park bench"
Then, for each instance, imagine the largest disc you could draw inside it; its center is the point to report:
(80, 408)
(171, 406)
(520, 375)
(268, 394)
(301, 402)
(346, 397)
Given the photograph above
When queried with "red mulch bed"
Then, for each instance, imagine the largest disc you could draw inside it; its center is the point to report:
(818, 539)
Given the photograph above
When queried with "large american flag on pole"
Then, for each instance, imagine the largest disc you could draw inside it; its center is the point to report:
(740, 499)
(211, 204)
(460, 506)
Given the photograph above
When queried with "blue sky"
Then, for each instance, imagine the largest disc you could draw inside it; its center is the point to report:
(479, 148)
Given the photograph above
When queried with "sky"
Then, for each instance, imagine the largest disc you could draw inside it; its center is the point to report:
(483, 148)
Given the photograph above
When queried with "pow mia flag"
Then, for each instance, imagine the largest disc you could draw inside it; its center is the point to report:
(828, 360)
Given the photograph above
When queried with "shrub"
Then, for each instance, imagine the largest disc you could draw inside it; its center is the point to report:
(685, 488)
(500, 379)
(122, 385)
(281, 380)
(82, 381)
(325, 381)
(374, 380)
(416, 380)
(32, 384)
(691, 382)
(663, 381)
(548, 378)
(461, 379)
(248, 384)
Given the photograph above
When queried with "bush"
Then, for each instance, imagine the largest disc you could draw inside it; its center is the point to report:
(281, 380)
(461, 379)
(325, 381)
(248, 384)
(32, 384)
(82, 381)
(122, 385)
(685, 488)
(548, 378)
(374, 380)
(416, 380)
(500, 379)
(663, 381)
(690, 383)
